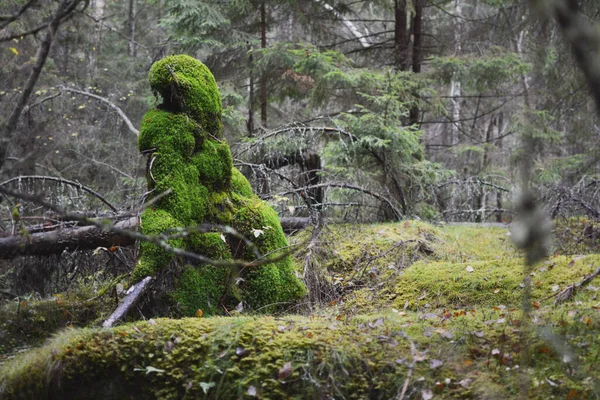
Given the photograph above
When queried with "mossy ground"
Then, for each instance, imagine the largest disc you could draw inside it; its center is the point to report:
(416, 303)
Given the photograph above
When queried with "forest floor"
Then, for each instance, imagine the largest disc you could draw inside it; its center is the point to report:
(412, 310)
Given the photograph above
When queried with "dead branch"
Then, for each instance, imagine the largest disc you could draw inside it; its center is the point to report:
(112, 105)
(61, 180)
(342, 185)
(133, 295)
(567, 293)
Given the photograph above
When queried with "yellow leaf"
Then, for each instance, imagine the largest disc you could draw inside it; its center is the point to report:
(14, 51)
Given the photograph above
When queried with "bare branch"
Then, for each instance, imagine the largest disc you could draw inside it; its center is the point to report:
(342, 185)
(112, 105)
(61, 180)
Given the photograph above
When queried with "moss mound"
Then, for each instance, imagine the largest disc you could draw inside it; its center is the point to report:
(455, 354)
(192, 180)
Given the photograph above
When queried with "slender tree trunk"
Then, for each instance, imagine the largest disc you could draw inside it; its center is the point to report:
(263, 81)
(250, 122)
(131, 23)
(401, 38)
(417, 53)
(418, 37)
(455, 87)
(98, 14)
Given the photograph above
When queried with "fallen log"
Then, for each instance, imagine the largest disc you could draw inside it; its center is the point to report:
(89, 238)
(71, 239)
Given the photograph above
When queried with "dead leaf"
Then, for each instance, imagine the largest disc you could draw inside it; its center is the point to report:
(466, 383)
(479, 334)
(286, 370)
(433, 364)
(427, 394)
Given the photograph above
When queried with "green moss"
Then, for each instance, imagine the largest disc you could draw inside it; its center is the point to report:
(154, 257)
(183, 79)
(447, 285)
(221, 208)
(28, 323)
(167, 132)
(239, 184)
(267, 284)
(214, 164)
(205, 287)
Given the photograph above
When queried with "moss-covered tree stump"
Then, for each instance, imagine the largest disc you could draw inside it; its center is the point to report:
(191, 176)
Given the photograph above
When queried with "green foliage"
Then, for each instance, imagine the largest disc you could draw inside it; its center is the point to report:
(482, 73)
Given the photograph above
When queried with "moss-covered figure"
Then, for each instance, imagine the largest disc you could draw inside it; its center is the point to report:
(191, 175)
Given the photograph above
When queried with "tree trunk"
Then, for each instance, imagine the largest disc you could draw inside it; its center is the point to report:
(455, 87)
(263, 81)
(98, 14)
(417, 54)
(250, 122)
(401, 34)
(131, 24)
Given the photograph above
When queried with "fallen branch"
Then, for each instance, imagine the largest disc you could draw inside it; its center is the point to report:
(133, 295)
(567, 293)
(159, 240)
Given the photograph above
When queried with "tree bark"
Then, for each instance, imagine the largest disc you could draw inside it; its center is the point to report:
(417, 53)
